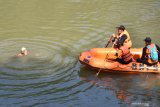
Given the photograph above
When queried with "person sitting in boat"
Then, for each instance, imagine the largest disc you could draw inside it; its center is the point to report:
(122, 35)
(23, 52)
(123, 54)
(150, 53)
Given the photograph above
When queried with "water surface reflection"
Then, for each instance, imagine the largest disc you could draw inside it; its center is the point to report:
(129, 89)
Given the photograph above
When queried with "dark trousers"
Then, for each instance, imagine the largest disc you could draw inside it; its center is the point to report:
(145, 61)
(122, 61)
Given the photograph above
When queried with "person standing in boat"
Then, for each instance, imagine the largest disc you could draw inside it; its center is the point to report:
(122, 36)
(150, 54)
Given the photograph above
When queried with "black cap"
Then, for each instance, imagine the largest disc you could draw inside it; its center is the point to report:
(121, 27)
(147, 39)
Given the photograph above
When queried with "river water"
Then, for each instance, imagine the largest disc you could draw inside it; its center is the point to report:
(55, 32)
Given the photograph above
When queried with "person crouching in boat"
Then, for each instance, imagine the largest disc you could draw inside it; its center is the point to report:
(23, 52)
(123, 54)
(122, 35)
(150, 53)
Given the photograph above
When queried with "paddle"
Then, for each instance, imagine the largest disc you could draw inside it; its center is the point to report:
(106, 55)
(109, 41)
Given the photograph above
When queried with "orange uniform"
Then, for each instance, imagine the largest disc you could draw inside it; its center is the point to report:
(123, 54)
(127, 42)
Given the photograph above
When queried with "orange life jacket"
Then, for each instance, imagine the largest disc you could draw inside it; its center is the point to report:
(128, 41)
(126, 54)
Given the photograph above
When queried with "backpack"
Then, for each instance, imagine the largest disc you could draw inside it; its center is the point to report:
(153, 52)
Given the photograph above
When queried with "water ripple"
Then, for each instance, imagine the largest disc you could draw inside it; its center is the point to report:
(47, 70)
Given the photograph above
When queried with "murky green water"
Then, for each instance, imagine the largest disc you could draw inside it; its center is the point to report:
(55, 32)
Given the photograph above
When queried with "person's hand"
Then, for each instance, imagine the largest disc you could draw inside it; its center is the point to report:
(115, 41)
(113, 35)
(114, 38)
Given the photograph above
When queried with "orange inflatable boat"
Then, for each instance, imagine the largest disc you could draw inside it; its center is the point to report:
(96, 58)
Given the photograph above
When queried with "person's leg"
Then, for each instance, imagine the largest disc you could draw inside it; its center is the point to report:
(128, 62)
(119, 60)
(123, 62)
(139, 60)
(143, 61)
(131, 60)
(146, 62)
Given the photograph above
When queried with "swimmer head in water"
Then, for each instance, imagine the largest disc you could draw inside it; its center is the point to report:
(23, 51)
